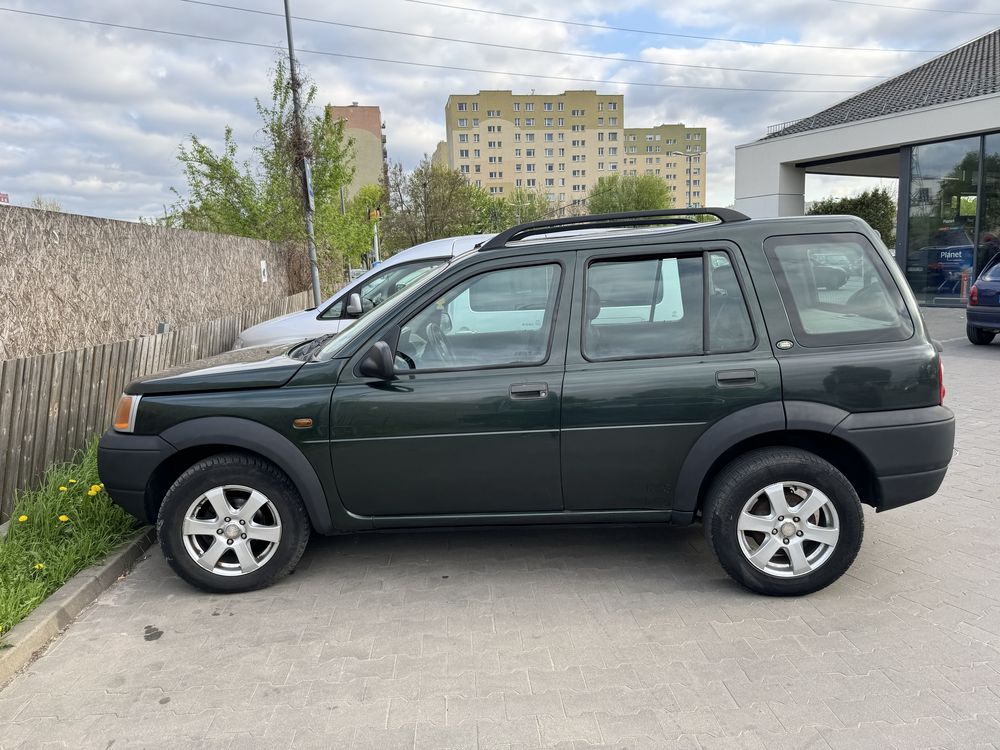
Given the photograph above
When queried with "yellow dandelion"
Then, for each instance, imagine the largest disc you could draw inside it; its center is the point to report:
(62, 489)
(64, 518)
(39, 566)
(22, 519)
(95, 488)
(91, 492)
(72, 481)
(101, 485)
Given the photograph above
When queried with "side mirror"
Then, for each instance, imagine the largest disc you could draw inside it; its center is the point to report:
(378, 362)
(354, 306)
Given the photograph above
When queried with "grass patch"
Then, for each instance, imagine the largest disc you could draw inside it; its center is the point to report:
(56, 531)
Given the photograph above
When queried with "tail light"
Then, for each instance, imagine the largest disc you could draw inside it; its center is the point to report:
(973, 295)
(941, 378)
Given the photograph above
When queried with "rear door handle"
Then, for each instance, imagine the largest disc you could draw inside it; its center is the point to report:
(736, 377)
(529, 390)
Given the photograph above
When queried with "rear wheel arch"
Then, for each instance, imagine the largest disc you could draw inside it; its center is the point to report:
(198, 439)
(841, 454)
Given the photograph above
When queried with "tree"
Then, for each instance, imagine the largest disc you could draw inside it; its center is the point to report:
(428, 203)
(876, 206)
(261, 196)
(45, 204)
(616, 192)
(497, 213)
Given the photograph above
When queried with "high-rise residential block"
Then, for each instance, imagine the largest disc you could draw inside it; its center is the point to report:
(364, 125)
(561, 144)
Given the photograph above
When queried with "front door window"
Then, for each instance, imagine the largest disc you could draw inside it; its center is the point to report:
(496, 319)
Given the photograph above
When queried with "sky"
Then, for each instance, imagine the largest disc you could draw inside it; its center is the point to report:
(92, 116)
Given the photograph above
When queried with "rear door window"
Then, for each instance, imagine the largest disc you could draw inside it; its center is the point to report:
(837, 290)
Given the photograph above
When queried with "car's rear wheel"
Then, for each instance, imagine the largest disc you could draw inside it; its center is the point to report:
(232, 522)
(783, 521)
(978, 336)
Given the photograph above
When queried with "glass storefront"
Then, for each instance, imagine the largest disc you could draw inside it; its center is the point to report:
(953, 224)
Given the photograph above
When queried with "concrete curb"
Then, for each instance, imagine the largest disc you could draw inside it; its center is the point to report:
(34, 632)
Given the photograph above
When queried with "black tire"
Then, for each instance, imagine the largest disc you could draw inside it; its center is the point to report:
(226, 470)
(978, 336)
(745, 478)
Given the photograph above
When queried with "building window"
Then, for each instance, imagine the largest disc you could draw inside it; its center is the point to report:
(547, 106)
(561, 106)
(463, 137)
(548, 122)
(548, 137)
(529, 122)
(530, 153)
(612, 106)
(517, 106)
(464, 168)
(463, 153)
(475, 106)
(462, 106)
(493, 113)
(462, 122)
(529, 107)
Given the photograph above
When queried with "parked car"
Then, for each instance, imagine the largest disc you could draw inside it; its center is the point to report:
(372, 288)
(829, 277)
(982, 313)
(566, 371)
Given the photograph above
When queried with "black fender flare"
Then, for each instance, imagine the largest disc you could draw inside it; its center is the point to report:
(732, 429)
(275, 447)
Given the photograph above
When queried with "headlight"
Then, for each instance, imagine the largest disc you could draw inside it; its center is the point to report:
(125, 413)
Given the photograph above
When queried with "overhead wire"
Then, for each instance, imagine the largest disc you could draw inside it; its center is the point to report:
(412, 63)
(923, 10)
(494, 45)
(652, 32)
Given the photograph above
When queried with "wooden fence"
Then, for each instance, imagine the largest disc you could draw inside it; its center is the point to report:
(52, 405)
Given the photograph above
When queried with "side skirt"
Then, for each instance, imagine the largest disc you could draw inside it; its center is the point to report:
(533, 519)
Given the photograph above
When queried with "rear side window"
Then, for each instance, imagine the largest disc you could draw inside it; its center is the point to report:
(665, 307)
(837, 290)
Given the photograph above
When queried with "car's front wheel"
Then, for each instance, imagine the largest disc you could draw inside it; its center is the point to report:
(978, 336)
(783, 521)
(232, 522)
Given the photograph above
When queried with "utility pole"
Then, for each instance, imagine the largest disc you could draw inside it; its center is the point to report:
(300, 147)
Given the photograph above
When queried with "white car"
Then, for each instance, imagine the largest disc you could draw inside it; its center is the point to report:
(358, 297)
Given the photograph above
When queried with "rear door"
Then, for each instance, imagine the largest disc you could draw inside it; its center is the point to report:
(662, 344)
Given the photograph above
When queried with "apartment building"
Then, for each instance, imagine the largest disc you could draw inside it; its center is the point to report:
(561, 144)
(364, 124)
(674, 152)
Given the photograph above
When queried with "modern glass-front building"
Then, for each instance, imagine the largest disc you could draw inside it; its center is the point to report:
(936, 128)
(948, 223)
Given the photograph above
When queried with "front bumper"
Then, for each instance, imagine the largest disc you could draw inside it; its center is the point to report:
(985, 316)
(125, 463)
(909, 449)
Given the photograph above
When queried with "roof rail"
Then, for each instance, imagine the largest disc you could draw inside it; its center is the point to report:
(655, 217)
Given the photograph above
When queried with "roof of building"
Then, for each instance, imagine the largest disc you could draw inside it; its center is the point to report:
(963, 73)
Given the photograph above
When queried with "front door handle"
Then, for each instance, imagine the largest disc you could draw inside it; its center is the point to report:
(529, 390)
(736, 377)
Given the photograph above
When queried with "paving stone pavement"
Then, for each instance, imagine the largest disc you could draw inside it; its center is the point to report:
(561, 638)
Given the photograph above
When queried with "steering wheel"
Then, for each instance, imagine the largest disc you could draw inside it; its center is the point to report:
(872, 302)
(437, 342)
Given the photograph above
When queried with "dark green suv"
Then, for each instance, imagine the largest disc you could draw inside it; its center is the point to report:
(626, 368)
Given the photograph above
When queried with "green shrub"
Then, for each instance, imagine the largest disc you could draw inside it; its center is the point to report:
(66, 525)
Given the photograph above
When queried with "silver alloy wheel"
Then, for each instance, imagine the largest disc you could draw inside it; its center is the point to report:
(231, 530)
(788, 529)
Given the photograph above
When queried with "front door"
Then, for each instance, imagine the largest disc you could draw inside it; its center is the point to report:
(470, 425)
(661, 347)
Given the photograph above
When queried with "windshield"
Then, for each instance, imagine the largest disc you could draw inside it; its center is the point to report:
(366, 324)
